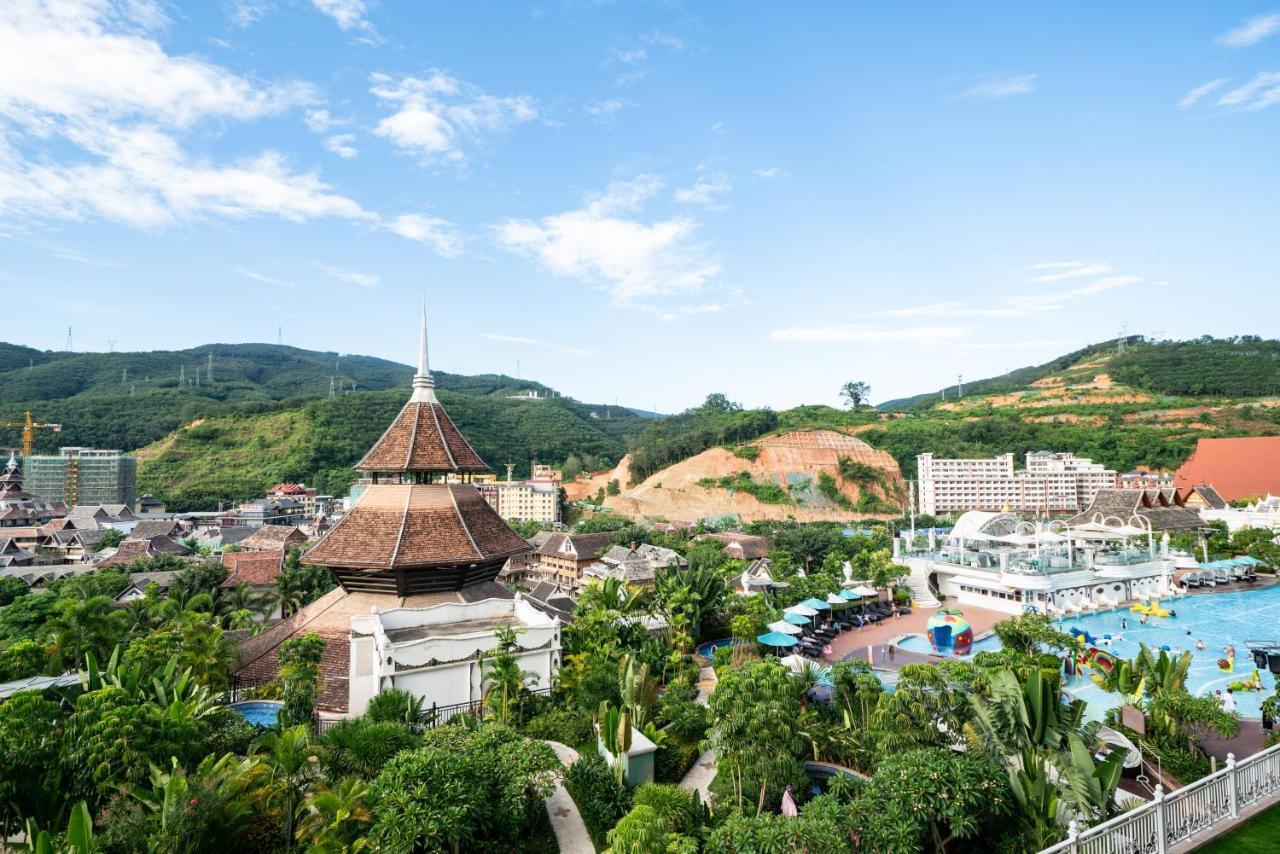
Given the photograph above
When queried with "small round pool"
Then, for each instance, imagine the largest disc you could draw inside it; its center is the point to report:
(708, 649)
(920, 643)
(260, 713)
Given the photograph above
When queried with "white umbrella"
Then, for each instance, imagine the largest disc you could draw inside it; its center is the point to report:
(801, 610)
(836, 600)
(785, 627)
(863, 590)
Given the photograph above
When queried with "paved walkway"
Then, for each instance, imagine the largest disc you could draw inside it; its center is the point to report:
(566, 821)
(703, 771)
(856, 642)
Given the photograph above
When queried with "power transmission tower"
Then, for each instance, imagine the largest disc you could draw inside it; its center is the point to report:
(208, 371)
(197, 376)
(279, 335)
(330, 386)
(1120, 341)
(69, 347)
(133, 389)
(124, 377)
(959, 385)
(182, 375)
(111, 345)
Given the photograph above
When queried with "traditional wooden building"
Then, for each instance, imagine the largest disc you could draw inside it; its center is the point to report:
(416, 560)
(19, 508)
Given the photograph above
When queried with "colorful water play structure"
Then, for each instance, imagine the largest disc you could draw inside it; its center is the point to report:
(948, 629)
(1151, 610)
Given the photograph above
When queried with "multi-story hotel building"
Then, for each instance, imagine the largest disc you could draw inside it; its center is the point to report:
(1051, 483)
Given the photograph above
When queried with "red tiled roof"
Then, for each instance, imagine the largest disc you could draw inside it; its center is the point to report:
(1236, 468)
(260, 569)
(416, 525)
(422, 439)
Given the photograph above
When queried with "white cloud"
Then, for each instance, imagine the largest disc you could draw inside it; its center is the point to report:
(364, 280)
(630, 57)
(246, 13)
(716, 127)
(1054, 301)
(606, 110)
(1001, 86)
(1052, 271)
(437, 114)
(340, 144)
(605, 244)
(661, 39)
(436, 233)
(915, 336)
(319, 121)
(949, 309)
(1251, 31)
(347, 14)
(1259, 93)
(771, 172)
(1195, 95)
(266, 280)
(534, 342)
(705, 190)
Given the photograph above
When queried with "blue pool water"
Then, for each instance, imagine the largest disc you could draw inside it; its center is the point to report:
(260, 713)
(707, 649)
(1218, 619)
(920, 643)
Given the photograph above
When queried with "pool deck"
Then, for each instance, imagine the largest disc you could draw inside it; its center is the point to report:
(874, 640)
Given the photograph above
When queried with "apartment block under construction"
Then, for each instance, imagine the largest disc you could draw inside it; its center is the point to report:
(83, 476)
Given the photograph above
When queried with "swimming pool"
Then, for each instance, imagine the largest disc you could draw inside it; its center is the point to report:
(1218, 619)
(260, 713)
(920, 643)
(707, 649)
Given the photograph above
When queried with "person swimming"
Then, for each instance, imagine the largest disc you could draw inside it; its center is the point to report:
(1199, 644)
(1124, 624)
(1173, 613)
(1188, 631)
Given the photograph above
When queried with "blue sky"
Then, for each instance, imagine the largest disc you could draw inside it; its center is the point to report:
(647, 201)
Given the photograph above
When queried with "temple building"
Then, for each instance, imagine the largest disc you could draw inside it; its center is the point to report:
(19, 508)
(417, 606)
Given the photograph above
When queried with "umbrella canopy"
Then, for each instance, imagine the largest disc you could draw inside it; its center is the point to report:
(796, 619)
(776, 639)
(860, 592)
(816, 605)
(833, 599)
(785, 628)
(802, 609)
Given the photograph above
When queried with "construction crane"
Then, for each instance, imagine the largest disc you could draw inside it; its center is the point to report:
(29, 427)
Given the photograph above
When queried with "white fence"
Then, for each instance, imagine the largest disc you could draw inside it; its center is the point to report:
(1157, 826)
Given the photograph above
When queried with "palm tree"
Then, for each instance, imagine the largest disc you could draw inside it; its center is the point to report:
(505, 678)
(335, 821)
(140, 617)
(293, 765)
(91, 625)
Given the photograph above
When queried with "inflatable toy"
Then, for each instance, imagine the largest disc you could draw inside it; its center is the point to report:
(1252, 683)
(948, 629)
(1100, 659)
(1152, 610)
(1226, 664)
(1080, 633)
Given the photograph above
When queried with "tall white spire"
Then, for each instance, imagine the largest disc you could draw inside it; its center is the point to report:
(424, 384)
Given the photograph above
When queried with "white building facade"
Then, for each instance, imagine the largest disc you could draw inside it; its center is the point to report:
(1050, 483)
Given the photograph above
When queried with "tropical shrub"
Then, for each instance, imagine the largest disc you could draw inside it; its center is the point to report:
(395, 705)
(361, 747)
(601, 798)
(300, 677)
(564, 726)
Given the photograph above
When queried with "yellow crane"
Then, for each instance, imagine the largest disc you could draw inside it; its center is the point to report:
(29, 427)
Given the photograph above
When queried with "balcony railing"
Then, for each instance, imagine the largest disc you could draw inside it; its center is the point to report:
(1159, 826)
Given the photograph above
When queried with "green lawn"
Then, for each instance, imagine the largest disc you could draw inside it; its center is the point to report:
(1261, 834)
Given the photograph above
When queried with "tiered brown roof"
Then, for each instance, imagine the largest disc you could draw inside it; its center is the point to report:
(1163, 508)
(272, 538)
(395, 526)
(422, 439)
(259, 569)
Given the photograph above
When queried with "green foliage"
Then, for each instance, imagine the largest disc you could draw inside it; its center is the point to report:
(746, 452)
(765, 492)
(462, 788)
(716, 422)
(299, 677)
(30, 740)
(824, 825)
(613, 487)
(601, 798)
(360, 747)
(926, 799)
(562, 725)
(11, 588)
(21, 660)
(1244, 366)
(828, 487)
(396, 705)
(1029, 633)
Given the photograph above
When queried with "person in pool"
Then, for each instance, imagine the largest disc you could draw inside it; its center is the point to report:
(1124, 624)
(1173, 613)
(1199, 644)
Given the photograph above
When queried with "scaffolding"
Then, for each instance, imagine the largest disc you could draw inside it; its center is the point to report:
(82, 476)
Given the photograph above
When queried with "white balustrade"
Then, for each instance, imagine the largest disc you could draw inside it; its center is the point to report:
(1170, 819)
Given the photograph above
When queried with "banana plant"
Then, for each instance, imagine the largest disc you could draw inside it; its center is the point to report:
(78, 839)
(615, 733)
(639, 690)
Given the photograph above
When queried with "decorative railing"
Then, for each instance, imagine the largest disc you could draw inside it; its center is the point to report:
(1167, 820)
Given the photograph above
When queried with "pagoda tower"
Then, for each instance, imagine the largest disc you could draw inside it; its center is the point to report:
(413, 532)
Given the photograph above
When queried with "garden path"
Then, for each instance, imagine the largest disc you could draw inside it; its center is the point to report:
(704, 770)
(566, 821)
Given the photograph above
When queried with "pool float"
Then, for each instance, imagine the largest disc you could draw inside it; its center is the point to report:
(1082, 635)
(1253, 683)
(1152, 610)
(1102, 660)
(1226, 664)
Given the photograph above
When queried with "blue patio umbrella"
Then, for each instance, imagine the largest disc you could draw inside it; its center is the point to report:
(776, 639)
(816, 604)
(796, 619)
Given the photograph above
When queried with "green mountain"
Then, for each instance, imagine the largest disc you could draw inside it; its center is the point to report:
(267, 415)
(1143, 408)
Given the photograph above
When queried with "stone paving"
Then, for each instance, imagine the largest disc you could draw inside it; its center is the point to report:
(703, 771)
(566, 821)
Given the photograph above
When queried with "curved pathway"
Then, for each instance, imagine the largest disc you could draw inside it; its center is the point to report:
(566, 821)
(703, 771)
